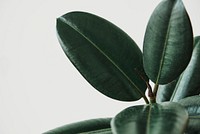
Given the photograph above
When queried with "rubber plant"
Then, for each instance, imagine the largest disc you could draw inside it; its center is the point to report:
(113, 64)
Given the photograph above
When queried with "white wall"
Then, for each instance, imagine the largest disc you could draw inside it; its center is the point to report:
(39, 88)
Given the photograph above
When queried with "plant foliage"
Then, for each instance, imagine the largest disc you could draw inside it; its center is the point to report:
(115, 66)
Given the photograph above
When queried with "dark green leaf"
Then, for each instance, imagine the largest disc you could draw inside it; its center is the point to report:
(168, 42)
(106, 56)
(100, 126)
(164, 118)
(165, 91)
(192, 104)
(189, 82)
(196, 40)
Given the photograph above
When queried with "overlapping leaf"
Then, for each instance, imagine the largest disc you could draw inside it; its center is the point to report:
(192, 104)
(196, 40)
(165, 91)
(168, 42)
(165, 118)
(106, 56)
(100, 126)
(189, 82)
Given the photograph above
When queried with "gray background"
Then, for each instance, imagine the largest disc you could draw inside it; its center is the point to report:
(39, 88)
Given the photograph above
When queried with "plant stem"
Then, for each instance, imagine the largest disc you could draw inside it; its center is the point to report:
(155, 89)
(141, 76)
(145, 99)
(151, 95)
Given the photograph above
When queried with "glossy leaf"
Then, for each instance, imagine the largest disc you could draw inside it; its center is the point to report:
(165, 118)
(168, 42)
(105, 55)
(196, 40)
(165, 91)
(99, 126)
(189, 82)
(192, 104)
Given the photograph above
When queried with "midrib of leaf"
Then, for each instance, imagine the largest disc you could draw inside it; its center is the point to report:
(165, 48)
(149, 119)
(97, 131)
(94, 45)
